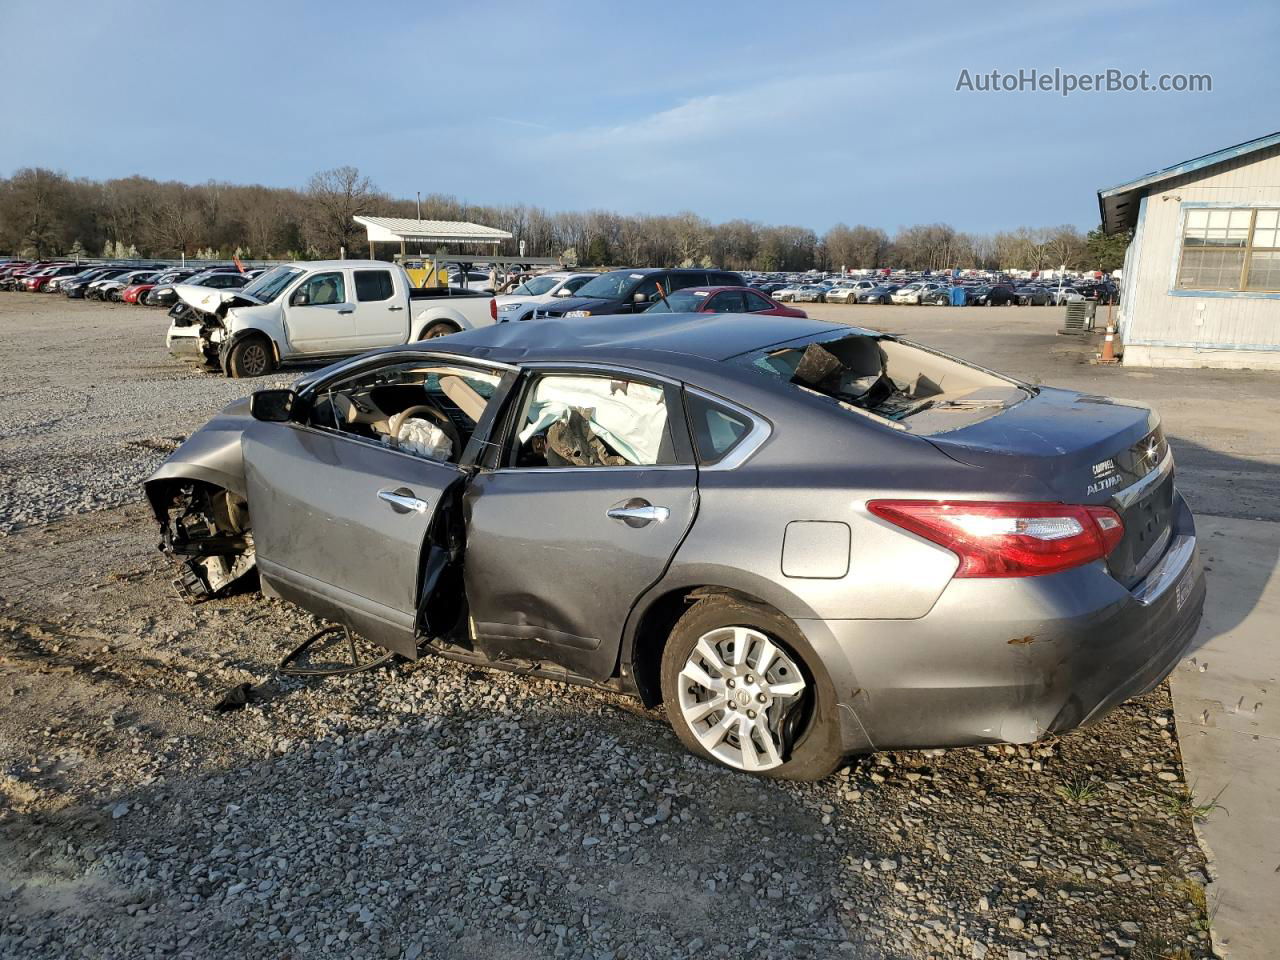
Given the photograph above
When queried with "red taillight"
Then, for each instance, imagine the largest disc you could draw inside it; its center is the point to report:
(493, 309)
(1009, 539)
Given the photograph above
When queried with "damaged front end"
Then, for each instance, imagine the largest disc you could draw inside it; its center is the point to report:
(197, 325)
(207, 530)
(199, 499)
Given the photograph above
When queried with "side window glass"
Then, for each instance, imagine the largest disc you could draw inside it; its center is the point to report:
(716, 429)
(422, 408)
(755, 303)
(592, 421)
(650, 290)
(729, 302)
(321, 290)
(573, 285)
(373, 285)
(679, 281)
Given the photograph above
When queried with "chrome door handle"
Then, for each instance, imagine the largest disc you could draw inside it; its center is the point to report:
(638, 514)
(402, 500)
(348, 310)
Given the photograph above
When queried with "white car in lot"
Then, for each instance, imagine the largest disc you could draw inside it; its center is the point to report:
(520, 303)
(914, 292)
(847, 291)
(800, 293)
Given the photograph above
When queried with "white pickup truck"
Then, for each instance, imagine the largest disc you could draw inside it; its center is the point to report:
(316, 310)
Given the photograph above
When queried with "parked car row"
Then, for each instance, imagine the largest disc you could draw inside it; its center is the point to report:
(143, 284)
(938, 291)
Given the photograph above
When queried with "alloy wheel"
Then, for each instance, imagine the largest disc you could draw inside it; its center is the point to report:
(737, 689)
(254, 359)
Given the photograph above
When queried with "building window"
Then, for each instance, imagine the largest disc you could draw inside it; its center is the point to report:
(1225, 249)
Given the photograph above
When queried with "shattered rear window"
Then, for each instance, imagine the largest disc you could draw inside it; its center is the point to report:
(847, 368)
(892, 379)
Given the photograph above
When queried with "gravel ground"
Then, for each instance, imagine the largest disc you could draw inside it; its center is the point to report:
(92, 403)
(431, 810)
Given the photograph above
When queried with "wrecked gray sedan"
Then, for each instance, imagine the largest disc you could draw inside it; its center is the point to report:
(805, 540)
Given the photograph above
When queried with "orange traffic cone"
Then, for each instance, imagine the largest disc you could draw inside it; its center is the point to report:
(1108, 346)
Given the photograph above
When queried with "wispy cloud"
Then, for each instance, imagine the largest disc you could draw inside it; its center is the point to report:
(521, 123)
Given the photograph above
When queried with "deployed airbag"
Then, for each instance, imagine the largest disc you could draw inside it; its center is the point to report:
(630, 417)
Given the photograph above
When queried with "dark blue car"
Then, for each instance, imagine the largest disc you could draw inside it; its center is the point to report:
(631, 291)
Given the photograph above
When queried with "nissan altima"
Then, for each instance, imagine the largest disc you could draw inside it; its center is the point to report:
(804, 540)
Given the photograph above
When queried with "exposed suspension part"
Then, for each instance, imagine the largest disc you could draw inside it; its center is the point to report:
(207, 529)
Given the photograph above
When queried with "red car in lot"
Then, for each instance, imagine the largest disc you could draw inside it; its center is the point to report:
(36, 281)
(722, 300)
(135, 292)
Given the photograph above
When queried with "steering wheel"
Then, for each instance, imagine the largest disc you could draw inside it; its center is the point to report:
(427, 412)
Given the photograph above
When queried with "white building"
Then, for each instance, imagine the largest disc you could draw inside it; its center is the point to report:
(1202, 274)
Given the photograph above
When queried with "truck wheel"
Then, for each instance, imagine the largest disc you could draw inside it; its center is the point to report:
(251, 357)
(441, 328)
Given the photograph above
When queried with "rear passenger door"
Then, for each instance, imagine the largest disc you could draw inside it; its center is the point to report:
(577, 514)
(380, 318)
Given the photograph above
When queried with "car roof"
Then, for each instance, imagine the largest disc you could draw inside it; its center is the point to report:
(711, 290)
(610, 338)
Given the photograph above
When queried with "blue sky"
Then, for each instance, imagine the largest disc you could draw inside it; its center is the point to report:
(806, 113)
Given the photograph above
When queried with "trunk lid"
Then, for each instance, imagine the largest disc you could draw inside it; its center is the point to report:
(1085, 450)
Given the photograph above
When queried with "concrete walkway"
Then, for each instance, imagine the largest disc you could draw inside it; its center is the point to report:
(1226, 700)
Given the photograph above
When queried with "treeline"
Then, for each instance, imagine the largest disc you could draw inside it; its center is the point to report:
(45, 213)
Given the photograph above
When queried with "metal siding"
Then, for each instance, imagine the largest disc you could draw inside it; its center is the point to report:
(1212, 321)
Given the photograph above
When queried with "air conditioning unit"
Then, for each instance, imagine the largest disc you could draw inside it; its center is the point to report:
(1079, 320)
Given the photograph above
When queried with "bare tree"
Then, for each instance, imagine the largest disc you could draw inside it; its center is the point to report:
(44, 213)
(333, 198)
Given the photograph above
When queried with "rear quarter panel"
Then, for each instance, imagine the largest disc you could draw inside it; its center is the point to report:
(823, 463)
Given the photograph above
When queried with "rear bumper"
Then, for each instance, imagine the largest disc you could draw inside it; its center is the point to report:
(1014, 660)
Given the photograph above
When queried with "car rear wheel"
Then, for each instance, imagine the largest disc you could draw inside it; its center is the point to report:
(738, 689)
(441, 328)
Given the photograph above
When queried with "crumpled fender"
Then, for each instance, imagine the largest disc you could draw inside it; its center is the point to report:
(211, 454)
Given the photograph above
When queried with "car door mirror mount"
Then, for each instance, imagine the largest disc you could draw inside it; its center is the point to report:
(300, 298)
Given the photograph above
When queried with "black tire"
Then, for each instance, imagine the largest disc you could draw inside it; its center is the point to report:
(251, 357)
(815, 750)
(441, 328)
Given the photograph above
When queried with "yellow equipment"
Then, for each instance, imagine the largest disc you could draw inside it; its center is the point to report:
(425, 272)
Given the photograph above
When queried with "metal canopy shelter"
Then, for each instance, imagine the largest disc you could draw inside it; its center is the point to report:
(404, 230)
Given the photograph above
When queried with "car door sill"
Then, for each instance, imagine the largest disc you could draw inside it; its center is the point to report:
(543, 635)
(541, 668)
